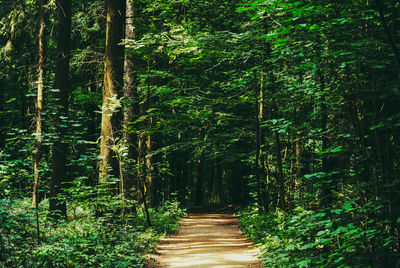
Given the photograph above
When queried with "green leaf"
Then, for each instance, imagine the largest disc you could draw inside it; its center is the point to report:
(270, 36)
(376, 126)
(337, 211)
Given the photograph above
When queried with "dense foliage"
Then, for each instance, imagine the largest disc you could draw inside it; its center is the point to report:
(84, 240)
(288, 108)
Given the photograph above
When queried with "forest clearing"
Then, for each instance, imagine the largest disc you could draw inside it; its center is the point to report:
(208, 133)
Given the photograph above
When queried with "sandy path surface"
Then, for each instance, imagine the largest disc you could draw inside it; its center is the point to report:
(206, 240)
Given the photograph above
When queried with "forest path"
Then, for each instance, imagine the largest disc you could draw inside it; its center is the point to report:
(206, 240)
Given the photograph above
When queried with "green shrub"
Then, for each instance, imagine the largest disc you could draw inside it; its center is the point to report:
(340, 237)
(85, 240)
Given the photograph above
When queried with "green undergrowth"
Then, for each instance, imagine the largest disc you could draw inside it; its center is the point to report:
(340, 237)
(85, 240)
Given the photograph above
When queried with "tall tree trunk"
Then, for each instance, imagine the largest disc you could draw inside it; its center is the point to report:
(326, 191)
(150, 178)
(2, 97)
(141, 170)
(141, 177)
(281, 178)
(113, 85)
(140, 164)
(278, 154)
(59, 151)
(259, 170)
(39, 106)
(127, 182)
(141, 183)
(329, 185)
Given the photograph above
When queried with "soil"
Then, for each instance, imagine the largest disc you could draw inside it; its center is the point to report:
(206, 240)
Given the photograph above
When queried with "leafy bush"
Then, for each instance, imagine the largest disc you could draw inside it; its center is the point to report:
(165, 218)
(83, 241)
(340, 237)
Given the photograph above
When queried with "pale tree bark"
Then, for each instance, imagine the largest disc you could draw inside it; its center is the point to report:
(60, 147)
(113, 85)
(39, 106)
(130, 96)
(150, 178)
(128, 177)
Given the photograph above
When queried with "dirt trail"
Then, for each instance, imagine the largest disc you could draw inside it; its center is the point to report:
(206, 240)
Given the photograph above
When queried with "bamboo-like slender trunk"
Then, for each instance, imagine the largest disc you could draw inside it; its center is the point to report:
(141, 171)
(260, 199)
(39, 106)
(150, 178)
(141, 184)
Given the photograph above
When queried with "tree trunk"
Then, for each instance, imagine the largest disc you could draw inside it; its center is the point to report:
(199, 182)
(59, 151)
(140, 164)
(259, 170)
(328, 161)
(184, 171)
(113, 85)
(281, 179)
(150, 178)
(2, 132)
(215, 196)
(141, 184)
(237, 173)
(39, 106)
(23, 106)
(127, 182)
(141, 169)
(175, 177)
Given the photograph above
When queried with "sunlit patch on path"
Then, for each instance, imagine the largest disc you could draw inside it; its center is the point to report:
(206, 240)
